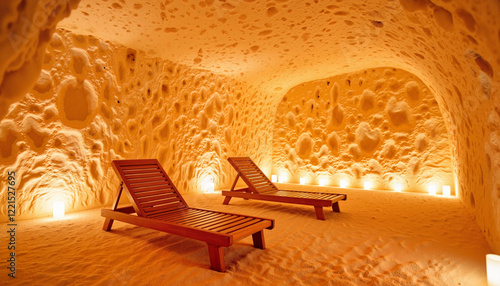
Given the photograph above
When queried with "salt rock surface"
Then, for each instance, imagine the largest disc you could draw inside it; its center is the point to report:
(25, 29)
(92, 104)
(452, 46)
(377, 134)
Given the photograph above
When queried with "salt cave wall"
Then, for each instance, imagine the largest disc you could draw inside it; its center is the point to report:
(95, 102)
(25, 29)
(379, 125)
(452, 46)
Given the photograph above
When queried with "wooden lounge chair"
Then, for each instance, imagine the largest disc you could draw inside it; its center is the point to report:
(261, 188)
(158, 205)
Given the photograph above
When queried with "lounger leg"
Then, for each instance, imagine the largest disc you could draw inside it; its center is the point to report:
(226, 200)
(108, 223)
(319, 213)
(216, 254)
(335, 207)
(258, 240)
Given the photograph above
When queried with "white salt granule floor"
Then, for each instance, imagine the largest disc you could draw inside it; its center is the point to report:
(379, 238)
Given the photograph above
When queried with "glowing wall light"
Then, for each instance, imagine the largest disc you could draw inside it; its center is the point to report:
(493, 269)
(432, 190)
(367, 185)
(210, 187)
(302, 181)
(322, 182)
(274, 178)
(281, 179)
(447, 191)
(58, 209)
(343, 183)
(398, 187)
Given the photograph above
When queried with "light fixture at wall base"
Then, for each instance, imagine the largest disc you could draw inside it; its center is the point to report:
(446, 191)
(367, 185)
(322, 182)
(211, 187)
(343, 183)
(274, 178)
(493, 269)
(432, 190)
(398, 187)
(58, 209)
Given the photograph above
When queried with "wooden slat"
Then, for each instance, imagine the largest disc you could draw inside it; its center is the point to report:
(220, 219)
(171, 213)
(155, 193)
(161, 183)
(139, 167)
(151, 203)
(155, 210)
(229, 224)
(240, 226)
(159, 197)
(149, 179)
(132, 178)
(226, 223)
(140, 171)
(196, 219)
(163, 187)
(176, 216)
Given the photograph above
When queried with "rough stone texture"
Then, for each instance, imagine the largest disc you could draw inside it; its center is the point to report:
(393, 132)
(95, 102)
(25, 29)
(452, 47)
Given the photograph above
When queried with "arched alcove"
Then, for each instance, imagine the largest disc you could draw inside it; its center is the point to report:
(380, 125)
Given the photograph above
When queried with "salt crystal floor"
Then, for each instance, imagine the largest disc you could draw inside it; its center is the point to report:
(379, 238)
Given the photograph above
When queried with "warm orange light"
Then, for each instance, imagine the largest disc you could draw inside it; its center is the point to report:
(447, 191)
(210, 187)
(274, 178)
(398, 187)
(343, 183)
(302, 181)
(493, 269)
(432, 190)
(322, 182)
(58, 209)
(367, 185)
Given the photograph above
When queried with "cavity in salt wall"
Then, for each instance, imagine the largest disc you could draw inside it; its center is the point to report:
(95, 102)
(25, 29)
(380, 125)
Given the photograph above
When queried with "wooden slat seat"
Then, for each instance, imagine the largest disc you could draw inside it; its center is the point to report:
(160, 206)
(261, 188)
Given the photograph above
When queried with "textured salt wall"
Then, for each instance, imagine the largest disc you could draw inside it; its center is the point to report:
(452, 46)
(25, 29)
(379, 125)
(94, 102)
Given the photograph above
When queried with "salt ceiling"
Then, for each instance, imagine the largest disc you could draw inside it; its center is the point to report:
(278, 44)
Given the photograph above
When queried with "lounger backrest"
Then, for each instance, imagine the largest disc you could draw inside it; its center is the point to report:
(252, 175)
(150, 190)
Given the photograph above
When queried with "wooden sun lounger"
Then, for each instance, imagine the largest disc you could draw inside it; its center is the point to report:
(261, 188)
(158, 205)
